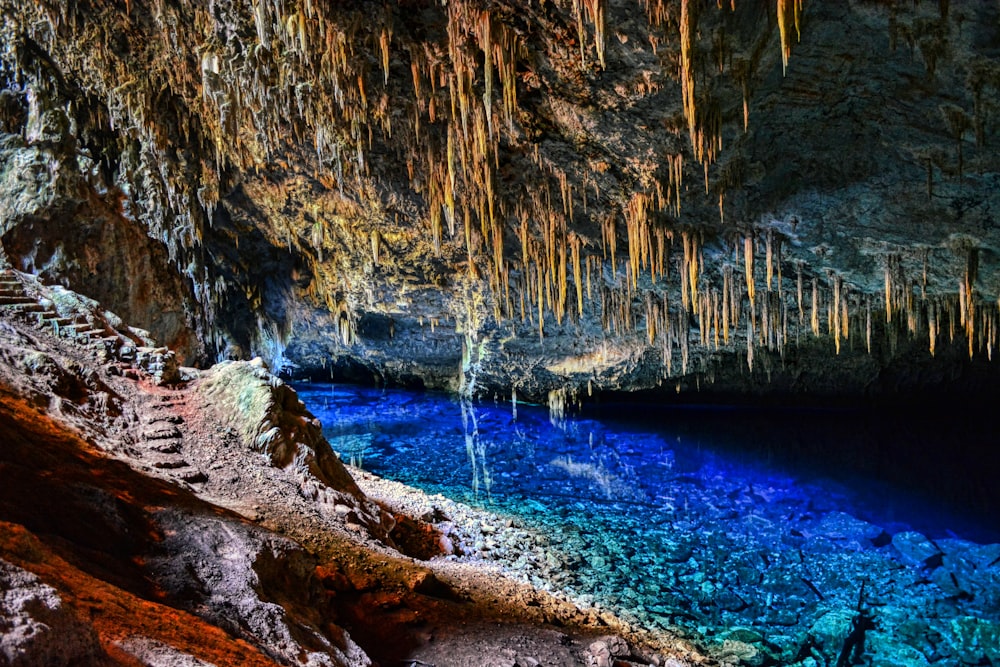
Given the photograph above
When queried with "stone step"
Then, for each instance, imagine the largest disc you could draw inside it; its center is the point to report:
(15, 300)
(26, 307)
(164, 433)
(58, 321)
(164, 419)
(193, 476)
(12, 291)
(166, 446)
(94, 333)
(171, 463)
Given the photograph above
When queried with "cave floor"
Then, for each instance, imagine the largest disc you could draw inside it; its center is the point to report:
(125, 497)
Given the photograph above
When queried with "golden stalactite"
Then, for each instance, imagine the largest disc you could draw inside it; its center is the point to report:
(814, 311)
(692, 267)
(575, 245)
(385, 38)
(789, 18)
(868, 327)
(834, 324)
(596, 12)
(748, 261)
(688, 26)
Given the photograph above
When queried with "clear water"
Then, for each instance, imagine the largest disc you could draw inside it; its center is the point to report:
(751, 533)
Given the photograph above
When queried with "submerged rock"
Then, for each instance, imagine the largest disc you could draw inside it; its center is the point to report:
(915, 548)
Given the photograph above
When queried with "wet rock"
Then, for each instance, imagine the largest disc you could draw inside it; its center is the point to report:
(976, 640)
(677, 552)
(829, 631)
(841, 526)
(885, 650)
(914, 547)
(733, 652)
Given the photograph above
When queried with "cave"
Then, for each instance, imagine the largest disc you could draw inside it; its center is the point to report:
(499, 332)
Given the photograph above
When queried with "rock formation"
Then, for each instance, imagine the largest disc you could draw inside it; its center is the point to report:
(598, 196)
(556, 200)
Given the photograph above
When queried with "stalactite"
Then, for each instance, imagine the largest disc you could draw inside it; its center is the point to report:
(742, 73)
(609, 240)
(702, 309)
(675, 171)
(769, 257)
(485, 44)
(727, 306)
(692, 266)
(887, 272)
(835, 307)
(684, 332)
(789, 12)
(932, 327)
(597, 11)
(561, 303)
(650, 319)
(868, 324)
(688, 26)
(384, 39)
(814, 322)
(748, 253)
(575, 244)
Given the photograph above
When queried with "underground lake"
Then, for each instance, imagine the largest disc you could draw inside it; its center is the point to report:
(762, 534)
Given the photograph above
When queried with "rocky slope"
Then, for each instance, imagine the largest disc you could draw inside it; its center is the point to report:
(184, 518)
(589, 195)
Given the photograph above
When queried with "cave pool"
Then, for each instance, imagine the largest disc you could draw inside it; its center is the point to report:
(749, 531)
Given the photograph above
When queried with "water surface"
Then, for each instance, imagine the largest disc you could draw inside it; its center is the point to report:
(751, 531)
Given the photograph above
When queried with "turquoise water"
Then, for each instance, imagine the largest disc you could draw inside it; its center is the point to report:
(750, 532)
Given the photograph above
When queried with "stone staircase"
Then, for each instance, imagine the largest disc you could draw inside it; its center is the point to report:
(88, 332)
(13, 297)
(164, 441)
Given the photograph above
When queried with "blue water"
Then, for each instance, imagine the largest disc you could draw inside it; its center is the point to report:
(721, 524)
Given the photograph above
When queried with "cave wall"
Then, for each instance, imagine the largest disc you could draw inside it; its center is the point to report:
(584, 195)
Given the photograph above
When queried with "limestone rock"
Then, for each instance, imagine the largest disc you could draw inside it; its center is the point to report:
(36, 628)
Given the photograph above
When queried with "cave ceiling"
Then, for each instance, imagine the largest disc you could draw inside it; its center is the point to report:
(572, 195)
